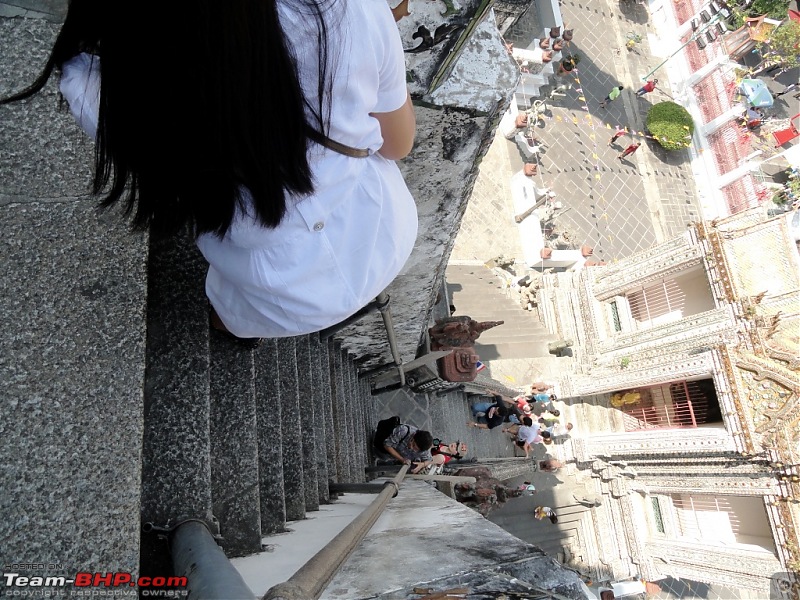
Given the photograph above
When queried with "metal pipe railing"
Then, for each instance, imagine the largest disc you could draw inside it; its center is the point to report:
(210, 575)
(357, 488)
(388, 323)
(311, 579)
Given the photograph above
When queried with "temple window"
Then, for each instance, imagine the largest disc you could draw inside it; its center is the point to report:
(728, 520)
(669, 300)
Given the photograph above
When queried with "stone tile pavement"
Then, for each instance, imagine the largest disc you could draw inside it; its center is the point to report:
(618, 207)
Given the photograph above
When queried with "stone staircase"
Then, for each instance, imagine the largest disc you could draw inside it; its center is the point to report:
(254, 440)
(124, 409)
(250, 437)
(477, 292)
(570, 540)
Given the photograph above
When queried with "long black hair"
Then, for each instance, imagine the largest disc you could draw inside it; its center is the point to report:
(198, 99)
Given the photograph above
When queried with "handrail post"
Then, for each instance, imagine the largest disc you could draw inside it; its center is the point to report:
(312, 578)
(380, 303)
(386, 314)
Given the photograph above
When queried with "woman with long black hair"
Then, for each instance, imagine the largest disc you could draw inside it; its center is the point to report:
(268, 128)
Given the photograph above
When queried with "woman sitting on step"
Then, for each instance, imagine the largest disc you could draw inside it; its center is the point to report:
(444, 453)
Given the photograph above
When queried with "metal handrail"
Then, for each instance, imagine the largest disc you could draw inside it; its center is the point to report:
(388, 323)
(197, 556)
(311, 579)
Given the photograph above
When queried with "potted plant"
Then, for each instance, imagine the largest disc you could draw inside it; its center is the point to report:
(568, 63)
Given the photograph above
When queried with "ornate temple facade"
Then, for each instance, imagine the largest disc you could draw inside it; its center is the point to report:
(686, 397)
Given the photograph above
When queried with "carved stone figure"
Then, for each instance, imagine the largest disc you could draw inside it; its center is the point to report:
(487, 491)
(458, 332)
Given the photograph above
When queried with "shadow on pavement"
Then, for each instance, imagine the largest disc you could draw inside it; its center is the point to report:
(668, 157)
(634, 11)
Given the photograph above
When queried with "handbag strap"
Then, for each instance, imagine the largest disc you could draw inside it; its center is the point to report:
(338, 147)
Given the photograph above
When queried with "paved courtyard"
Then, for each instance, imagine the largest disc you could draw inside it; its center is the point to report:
(617, 207)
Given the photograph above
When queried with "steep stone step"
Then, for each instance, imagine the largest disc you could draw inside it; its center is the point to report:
(270, 446)
(538, 338)
(291, 434)
(505, 350)
(309, 416)
(234, 446)
(176, 445)
(320, 398)
(359, 425)
(340, 416)
(353, 404)
(328, 400)
(505, 332)
(370, 415)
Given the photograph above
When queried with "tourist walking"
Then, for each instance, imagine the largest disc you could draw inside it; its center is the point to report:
(647, 88)
(541, 512)
(629, 150)
(612, 95)
(617, 134)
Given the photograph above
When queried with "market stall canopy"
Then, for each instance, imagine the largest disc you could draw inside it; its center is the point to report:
(756, 93)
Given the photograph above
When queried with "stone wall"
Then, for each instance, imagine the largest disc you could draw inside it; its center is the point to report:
(458, 105)
(442, 546)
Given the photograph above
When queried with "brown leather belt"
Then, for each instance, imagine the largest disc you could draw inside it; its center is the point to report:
(338, 147)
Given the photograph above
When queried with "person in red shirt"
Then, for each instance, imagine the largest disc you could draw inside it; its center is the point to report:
(647, 88)
(617, 134)
(629, 150)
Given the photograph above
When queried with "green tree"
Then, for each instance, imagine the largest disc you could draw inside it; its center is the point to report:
(671, 125)
(774, 9)
(783, 45)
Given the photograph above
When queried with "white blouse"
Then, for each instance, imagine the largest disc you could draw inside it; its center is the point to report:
(336, 249)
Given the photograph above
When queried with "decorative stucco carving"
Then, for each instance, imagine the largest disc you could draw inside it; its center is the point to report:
(665, 368)
(700, 330)
(717, 564)
(749, 345)
(667, 442)
(678, 484)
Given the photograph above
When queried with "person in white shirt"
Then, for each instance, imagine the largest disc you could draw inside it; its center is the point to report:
(267, 129)
(554, 427)
(525, 435)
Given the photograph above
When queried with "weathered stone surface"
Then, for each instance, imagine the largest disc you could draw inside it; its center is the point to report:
(481, 75)
(50, 10)
(73, 338)
(72, 363)
(419, 519)
(44, 157)
(455, 126)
